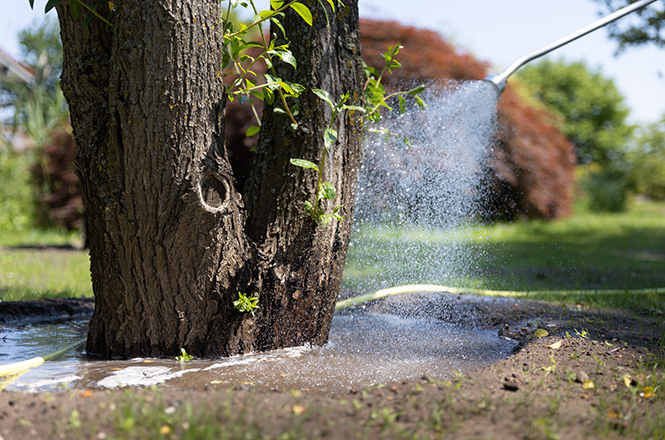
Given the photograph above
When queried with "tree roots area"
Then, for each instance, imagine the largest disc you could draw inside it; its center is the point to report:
(576, 373)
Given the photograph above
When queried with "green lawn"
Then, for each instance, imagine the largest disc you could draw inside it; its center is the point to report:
(37, 264)
(586, 251)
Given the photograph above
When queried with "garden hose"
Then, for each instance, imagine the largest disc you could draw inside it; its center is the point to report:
(412, 288)
(20, 367)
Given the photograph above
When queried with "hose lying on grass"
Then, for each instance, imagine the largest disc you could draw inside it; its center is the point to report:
(412, 288)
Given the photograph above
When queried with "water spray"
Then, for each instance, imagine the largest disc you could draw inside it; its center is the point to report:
(499, 79)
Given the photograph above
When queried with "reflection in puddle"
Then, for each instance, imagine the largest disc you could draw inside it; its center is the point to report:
(364, 349)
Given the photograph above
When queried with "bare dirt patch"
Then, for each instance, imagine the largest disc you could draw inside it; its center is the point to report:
(597, 374)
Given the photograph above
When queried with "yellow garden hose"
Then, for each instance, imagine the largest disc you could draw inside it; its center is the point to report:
(412, 288)
(18, 367)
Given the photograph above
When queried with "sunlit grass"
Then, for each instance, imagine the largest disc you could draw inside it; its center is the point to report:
(588, 251)
(38, 263)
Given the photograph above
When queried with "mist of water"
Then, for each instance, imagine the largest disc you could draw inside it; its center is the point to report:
(421, 181)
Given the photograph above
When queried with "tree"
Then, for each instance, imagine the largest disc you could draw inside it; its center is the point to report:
(647, 157)
(593, 117)
(38, 106)
(173, 244)
(646, 26)
(592, 109)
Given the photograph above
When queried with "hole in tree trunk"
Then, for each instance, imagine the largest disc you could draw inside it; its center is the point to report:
(214, 192)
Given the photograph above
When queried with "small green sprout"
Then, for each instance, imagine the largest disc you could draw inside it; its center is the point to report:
(245, 303)
(184, 357)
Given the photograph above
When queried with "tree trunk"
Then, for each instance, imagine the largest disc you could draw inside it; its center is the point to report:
(170, 242)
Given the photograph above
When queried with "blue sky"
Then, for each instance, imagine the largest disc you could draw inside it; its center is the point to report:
(498, 31)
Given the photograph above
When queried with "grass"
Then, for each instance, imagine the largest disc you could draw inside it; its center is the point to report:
(37, 263)
(588, 251)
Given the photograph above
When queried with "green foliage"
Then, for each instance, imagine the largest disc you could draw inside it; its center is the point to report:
(375, 92)
(326, 190)
(375, 99)
(239, 42)
(184, 357)
(647, 157)
(591, 108)
(647, 28)
(594, 118)
(39, 106)
(16, 202)
(606, 189)
(76, 9)
(246, 303)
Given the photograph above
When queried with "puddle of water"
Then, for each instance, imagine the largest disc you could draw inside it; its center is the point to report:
(23, 342)
(364, 349)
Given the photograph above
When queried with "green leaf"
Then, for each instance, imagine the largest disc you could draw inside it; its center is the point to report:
(308, 207)
(417, 90)
(279, 111)
(276, 4)
(32, 4)
(370, 71)
(251, 131)
(303, 11)
(278, 24)
(330, 136)
(298, 87)
(354, 108)
(75, 8)
(402, 104)
(269, 96)
(302, 163)
(288, 58)
(421, 103)
(332, 4)
(328, 190)
(265, 14)
(51, 4)
(325, 219)
(258, 94)
(184, 357)
(324, 95)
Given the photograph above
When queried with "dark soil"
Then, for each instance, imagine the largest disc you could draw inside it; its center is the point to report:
(594, 384)
(48, 309)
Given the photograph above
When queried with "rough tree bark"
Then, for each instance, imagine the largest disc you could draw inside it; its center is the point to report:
(171, 242)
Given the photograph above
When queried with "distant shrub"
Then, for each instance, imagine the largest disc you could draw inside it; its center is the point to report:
(59, 201)
(16, 201)
(605, 190)
(648, 161)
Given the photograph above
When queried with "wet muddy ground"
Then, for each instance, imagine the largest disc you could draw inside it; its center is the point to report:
(590, 377)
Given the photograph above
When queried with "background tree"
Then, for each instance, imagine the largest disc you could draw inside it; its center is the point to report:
(173, 244)
(40, 105)
(594, 118)
(647, 157)
(646, 26)
(41, 111)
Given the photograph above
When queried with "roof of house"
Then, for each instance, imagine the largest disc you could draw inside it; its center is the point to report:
(9, 67)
